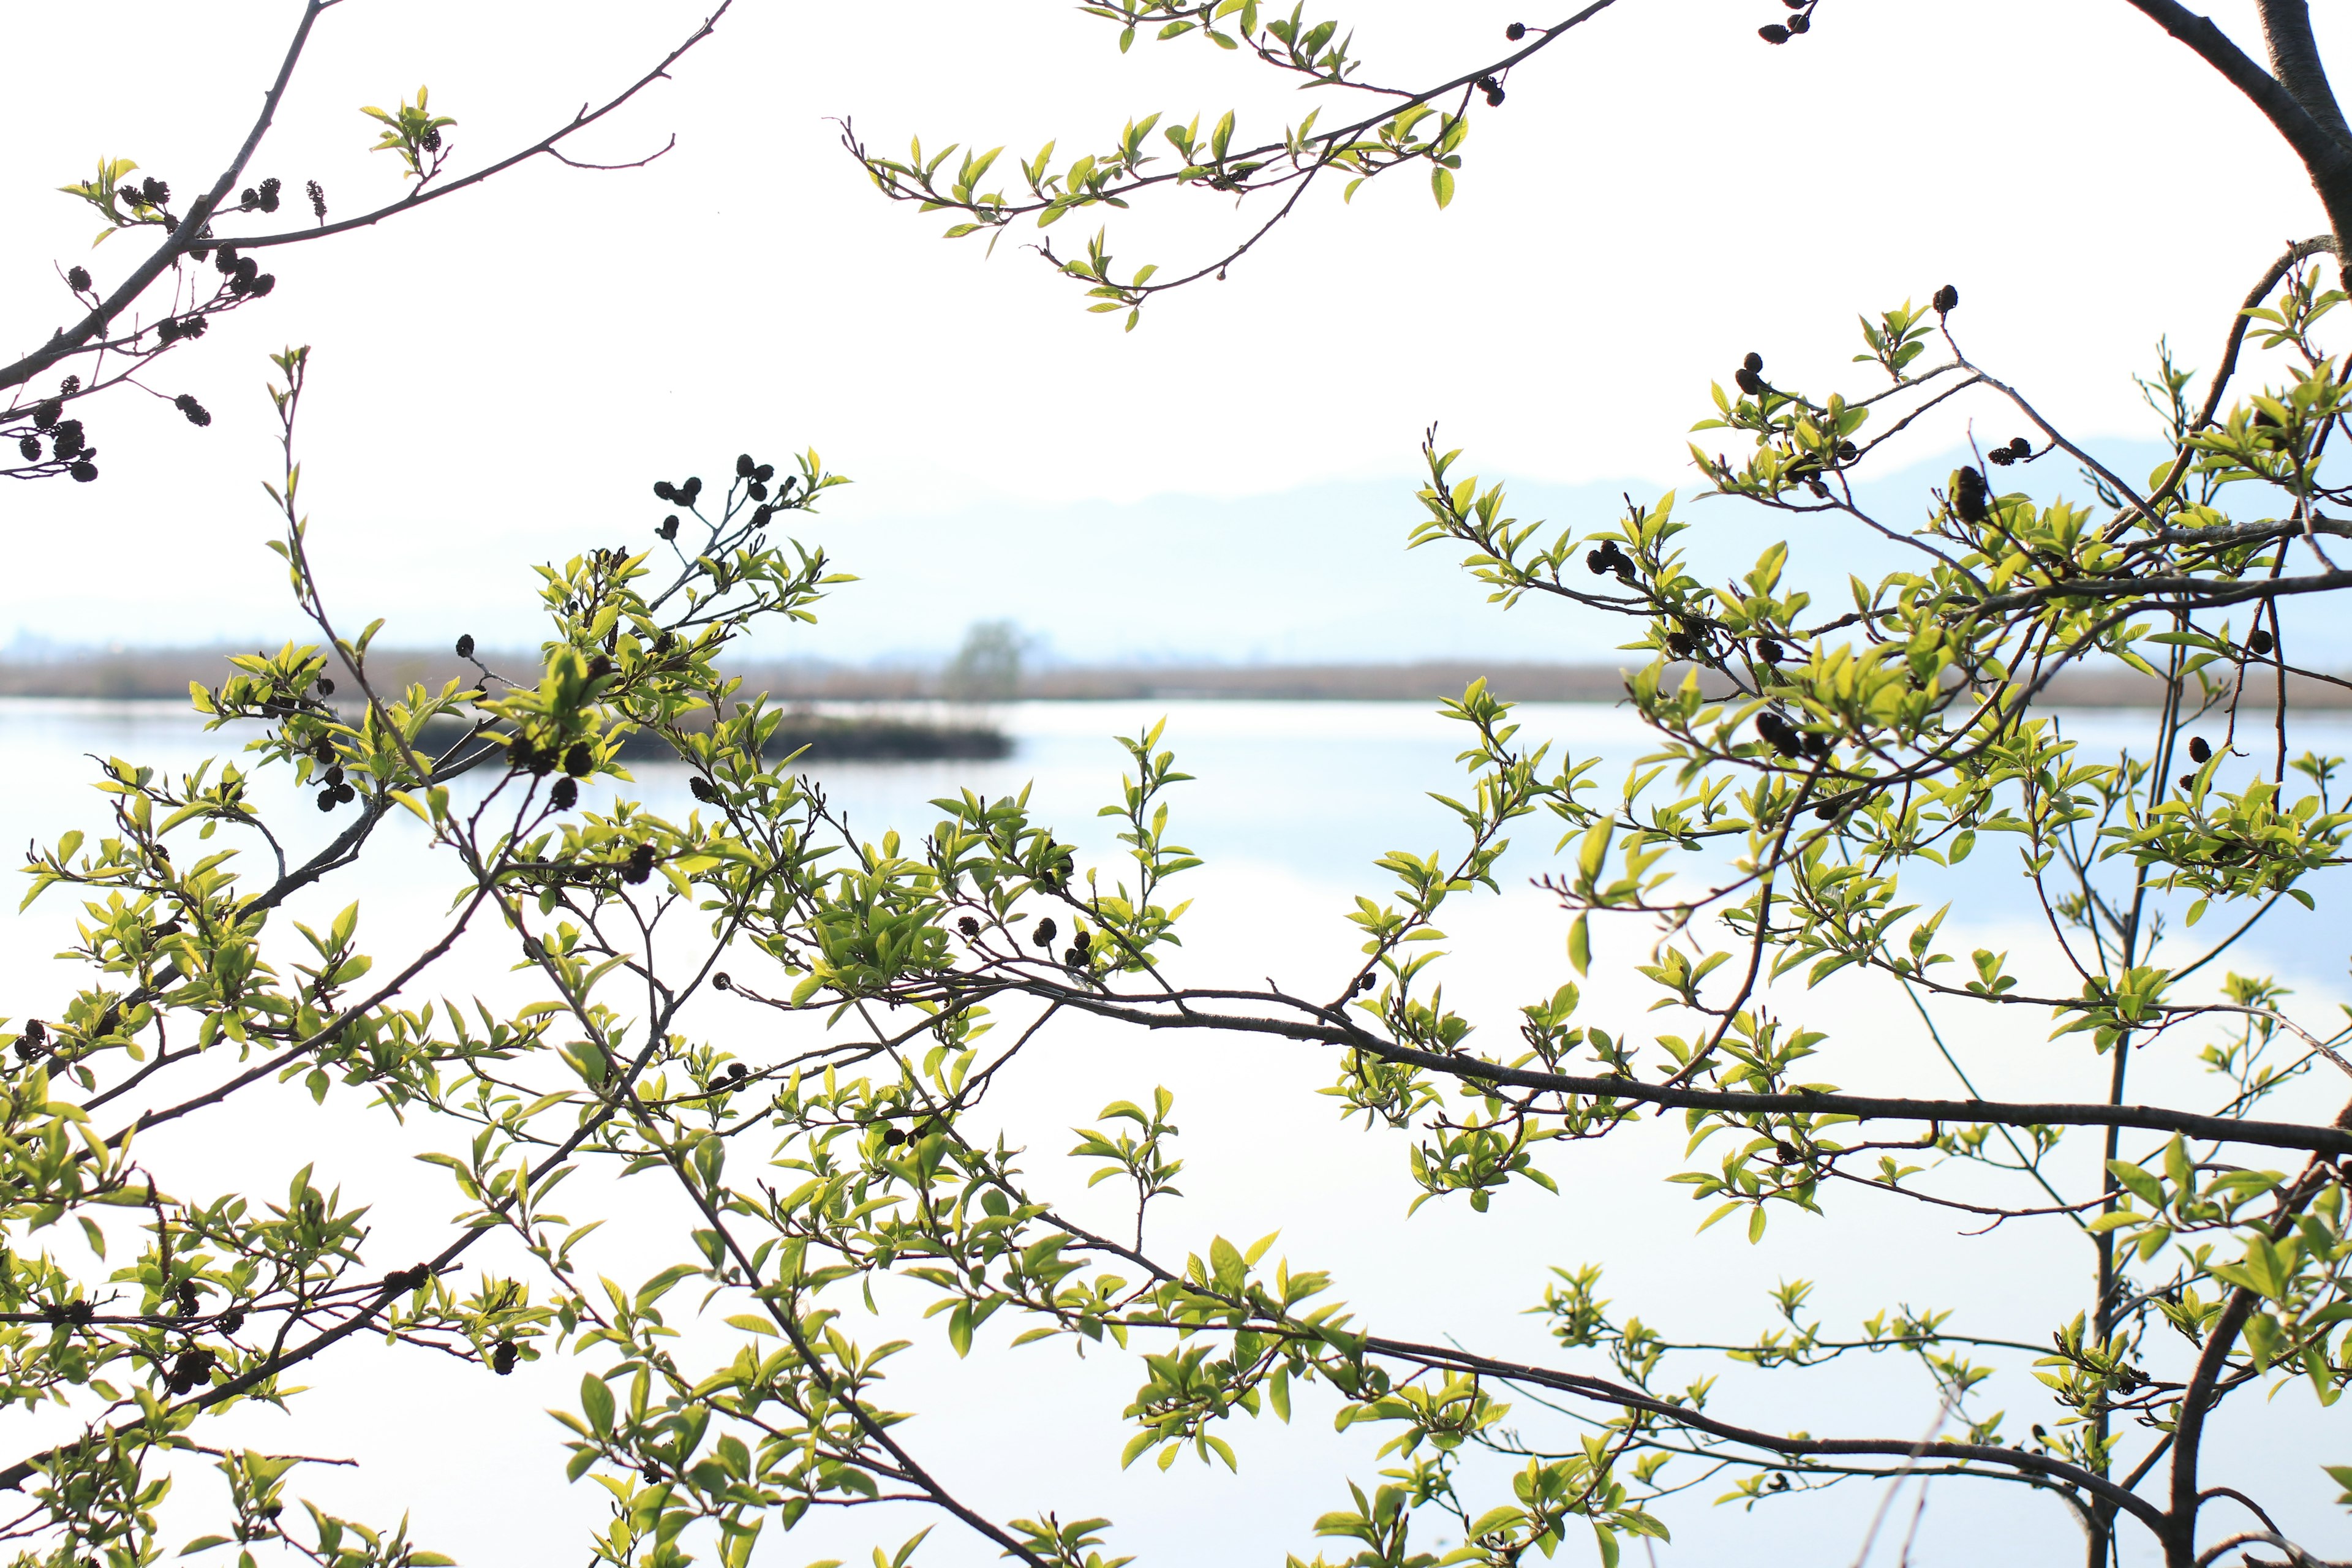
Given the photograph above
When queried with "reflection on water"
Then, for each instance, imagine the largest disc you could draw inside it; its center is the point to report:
(1291, 804)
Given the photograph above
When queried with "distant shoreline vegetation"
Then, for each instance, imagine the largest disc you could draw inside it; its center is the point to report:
(135, 674)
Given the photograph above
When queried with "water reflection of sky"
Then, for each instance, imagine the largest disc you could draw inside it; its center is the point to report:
(1291, 804)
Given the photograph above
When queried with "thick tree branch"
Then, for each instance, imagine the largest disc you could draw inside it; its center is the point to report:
(2334, 1142)
(2326, 159)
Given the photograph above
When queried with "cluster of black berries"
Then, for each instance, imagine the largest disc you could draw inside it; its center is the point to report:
(736, 1076)
(1787, 739)
(522, 756)
(1608, 559)
(68, 442)
(2018, 450)
(466, 646)
(1080, 949)
(247, 281)
(639, 866)
(80, 1314)
(502, 1357)
(1491, 89)
(196, 411)
(1749, 376)
(336, 791)
(1799, 20)
(78, 279)
(681, 495)
(150, 192)
(318, 200)
(263, 196)
(402, 1281)
(34, 1043)
(755, 476)
(1682, 642)
(172, 329)
(195, 1366)
(187, 1295)
(1971, 502)
(2200, 752)
(893, 1137)
(2261, 643)
(1946, 300)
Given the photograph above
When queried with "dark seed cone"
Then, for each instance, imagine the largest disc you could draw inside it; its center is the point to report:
(1773, 33)
(1947, 300)
(2198, 751)
(564, 795)
(2260, 643)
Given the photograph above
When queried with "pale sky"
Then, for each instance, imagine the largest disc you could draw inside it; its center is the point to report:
(498, 380)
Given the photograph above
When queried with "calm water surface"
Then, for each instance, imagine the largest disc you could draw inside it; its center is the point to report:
(1291, 805)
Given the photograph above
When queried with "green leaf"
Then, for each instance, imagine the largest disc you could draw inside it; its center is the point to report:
(596, 1403)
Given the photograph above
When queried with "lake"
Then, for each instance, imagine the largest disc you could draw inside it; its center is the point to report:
(1292, 803)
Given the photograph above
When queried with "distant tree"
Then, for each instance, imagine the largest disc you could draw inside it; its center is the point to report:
(809, 1034)
(169, 298)
(987, 667)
